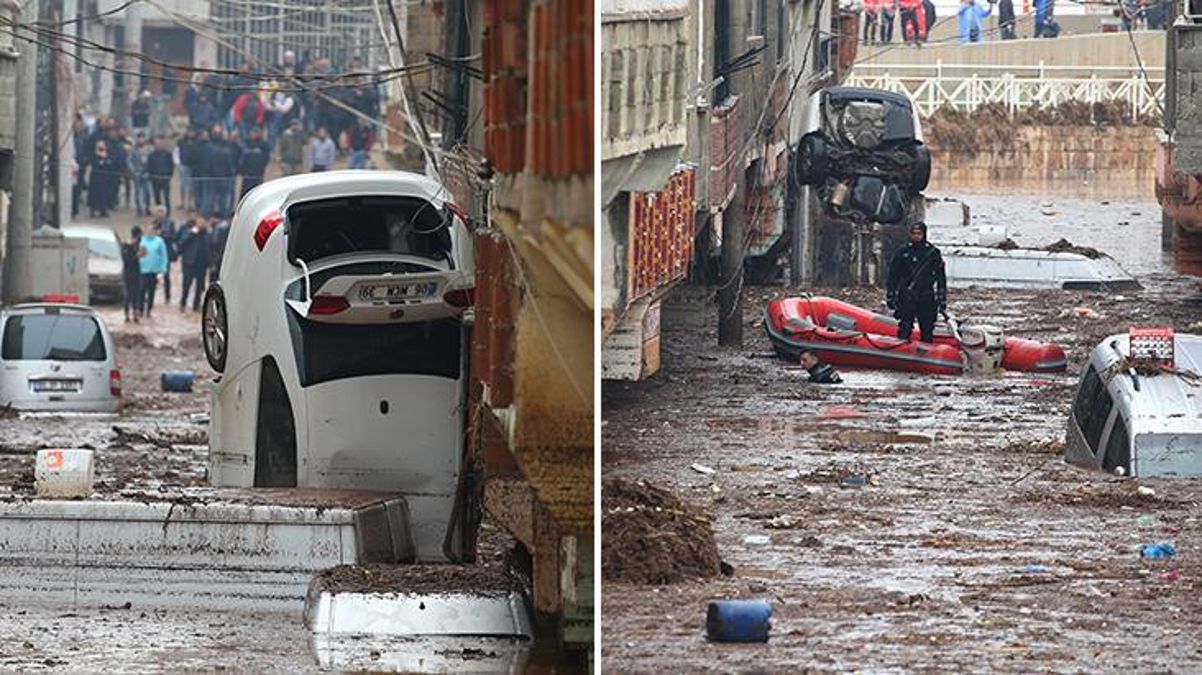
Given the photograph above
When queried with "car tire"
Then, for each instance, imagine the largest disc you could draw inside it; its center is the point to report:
(214, 328)
(920, 177)
(812, 159)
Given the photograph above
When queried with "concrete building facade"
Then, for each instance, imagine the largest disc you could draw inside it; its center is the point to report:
(702, 101)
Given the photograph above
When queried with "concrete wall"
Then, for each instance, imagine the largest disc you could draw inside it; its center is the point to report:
(1086, 51)
(1086, 161)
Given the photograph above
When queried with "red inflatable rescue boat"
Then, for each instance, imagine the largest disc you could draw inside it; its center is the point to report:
(846, 335)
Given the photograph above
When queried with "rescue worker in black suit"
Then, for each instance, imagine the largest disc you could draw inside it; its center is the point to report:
(917, 287)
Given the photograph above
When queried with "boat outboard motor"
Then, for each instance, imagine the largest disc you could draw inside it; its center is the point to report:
(984, 346)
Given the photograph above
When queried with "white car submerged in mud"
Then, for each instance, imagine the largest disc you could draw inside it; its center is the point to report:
(1138, 425)
(338, 329)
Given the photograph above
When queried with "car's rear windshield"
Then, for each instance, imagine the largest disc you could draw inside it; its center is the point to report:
(332, 351)
(105, 248)
(406, 225)
(52, 337)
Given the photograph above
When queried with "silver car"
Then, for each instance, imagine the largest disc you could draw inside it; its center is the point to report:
(1138, 425)
(104, 261)
(57, 357)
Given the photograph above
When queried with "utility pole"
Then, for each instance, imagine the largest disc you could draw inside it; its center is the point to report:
(795, 205)
(17, 280)
(730, 293)
(47, 205)
(129, 82)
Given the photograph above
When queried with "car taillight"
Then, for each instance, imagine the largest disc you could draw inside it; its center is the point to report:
(463, 297)
(115, 382)
(328, 304)
(266, 227)
(458, 211)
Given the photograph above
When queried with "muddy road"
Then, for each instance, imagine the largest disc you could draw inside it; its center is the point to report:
(912, 522)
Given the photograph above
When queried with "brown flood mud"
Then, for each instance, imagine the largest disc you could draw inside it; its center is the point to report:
(905, 522)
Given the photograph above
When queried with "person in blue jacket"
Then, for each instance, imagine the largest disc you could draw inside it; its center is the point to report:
(971, 17)
(1043, 19)
(152, 261)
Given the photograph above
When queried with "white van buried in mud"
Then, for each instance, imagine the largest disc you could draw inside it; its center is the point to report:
(57, 357)
(339, 332)
(1135, 420)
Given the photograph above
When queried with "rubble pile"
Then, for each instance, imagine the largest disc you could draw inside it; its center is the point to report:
(649, 536)
(992, 125)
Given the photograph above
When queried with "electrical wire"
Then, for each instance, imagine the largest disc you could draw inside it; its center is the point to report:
(748, 236)
(423, 133)
(140, 56)
(334, 84)
(1140, 61)
(201, 30)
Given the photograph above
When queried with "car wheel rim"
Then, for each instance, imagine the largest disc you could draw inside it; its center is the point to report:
(214, 329)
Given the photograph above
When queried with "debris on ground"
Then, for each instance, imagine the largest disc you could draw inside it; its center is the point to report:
(1020, 577)
(162, 438)
(1066, 246)
(1157, 551)
(738, 621)
(993, 125)
(1047, 446)
(649, 536)
(489, 576)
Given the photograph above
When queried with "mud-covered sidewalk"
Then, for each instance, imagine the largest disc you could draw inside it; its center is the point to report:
(903, 521)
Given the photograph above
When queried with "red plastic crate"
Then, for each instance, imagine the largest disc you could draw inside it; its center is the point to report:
(1156, 344)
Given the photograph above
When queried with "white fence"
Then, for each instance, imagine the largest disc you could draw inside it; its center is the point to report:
(967, 87)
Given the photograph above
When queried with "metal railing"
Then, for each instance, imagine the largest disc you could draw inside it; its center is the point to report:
(968, 86)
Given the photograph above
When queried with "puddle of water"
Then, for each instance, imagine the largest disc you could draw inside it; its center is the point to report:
(1128, 230)
(766, 425)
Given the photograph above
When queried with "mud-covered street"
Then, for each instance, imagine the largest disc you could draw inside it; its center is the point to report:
(905, 521)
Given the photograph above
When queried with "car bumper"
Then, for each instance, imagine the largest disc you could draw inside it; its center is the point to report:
(107, 288)
(101, 405)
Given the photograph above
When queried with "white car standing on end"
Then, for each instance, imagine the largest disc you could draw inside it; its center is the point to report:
(57, 357)
(338, 328)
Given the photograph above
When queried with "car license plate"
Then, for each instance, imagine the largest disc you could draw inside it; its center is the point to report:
(44, 386)
(396, 292)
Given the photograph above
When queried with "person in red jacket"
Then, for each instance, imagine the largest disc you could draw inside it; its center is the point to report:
(913, 21)
(249, 113)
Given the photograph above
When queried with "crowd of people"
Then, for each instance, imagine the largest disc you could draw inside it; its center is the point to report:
(197, 244)
(879, 17)
(236, 125)
(917, 17)
(306, 114)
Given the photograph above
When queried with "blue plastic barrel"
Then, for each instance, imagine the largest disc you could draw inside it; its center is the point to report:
(177, 381)
(738, 621)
